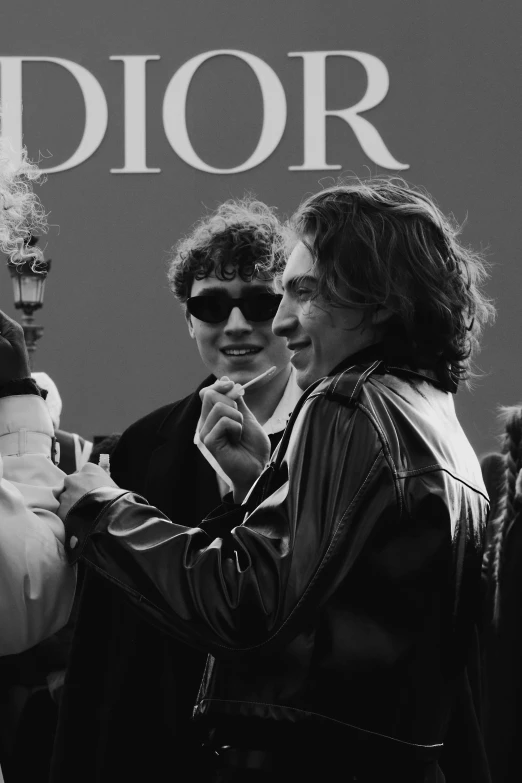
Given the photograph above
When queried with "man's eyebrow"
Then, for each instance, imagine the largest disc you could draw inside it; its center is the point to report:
(214, 289)
(295, 282)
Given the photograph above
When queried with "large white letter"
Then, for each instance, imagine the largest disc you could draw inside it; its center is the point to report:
(315, 111)
(93, 96)
(274, 111)
(135, 116)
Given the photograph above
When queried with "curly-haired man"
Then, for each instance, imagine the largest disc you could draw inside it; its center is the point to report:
(218, 274)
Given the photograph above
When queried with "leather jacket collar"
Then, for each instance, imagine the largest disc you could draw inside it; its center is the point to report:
(398, 361)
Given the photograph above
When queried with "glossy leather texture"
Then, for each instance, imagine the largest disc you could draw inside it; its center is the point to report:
(345, 589)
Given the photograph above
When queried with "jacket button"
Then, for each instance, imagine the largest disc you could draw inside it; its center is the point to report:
(73, 542)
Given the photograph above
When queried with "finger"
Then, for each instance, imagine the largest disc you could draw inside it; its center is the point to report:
(211, 397)
(219, 411)
(235, 392)
(91, 469)
(223, 385)
(222, 435)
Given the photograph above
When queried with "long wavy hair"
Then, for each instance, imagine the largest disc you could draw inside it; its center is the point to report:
(21, 213)
(241, 237)
(382, 243)
(510, 504)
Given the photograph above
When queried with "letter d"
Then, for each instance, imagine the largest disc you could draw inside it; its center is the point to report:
(93, 96)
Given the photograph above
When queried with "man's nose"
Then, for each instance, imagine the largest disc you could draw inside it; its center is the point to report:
(285, 320)
(237, 323)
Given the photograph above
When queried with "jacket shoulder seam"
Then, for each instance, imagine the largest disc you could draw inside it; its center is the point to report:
(374, 420)
(444, 469)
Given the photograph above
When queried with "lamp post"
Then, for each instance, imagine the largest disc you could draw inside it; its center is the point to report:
(28, 280)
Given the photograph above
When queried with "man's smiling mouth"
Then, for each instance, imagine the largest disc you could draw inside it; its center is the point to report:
(241, 351)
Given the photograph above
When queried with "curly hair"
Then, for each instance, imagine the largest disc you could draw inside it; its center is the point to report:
(21, 213)
(242, 237)
(510, 503)
(381, 242)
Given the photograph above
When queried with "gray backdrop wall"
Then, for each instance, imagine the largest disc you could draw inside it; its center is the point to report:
(115, 340)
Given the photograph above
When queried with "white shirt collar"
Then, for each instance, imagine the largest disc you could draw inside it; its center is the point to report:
(279, 419)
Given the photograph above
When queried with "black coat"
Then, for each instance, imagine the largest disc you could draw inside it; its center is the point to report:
(347, 596)
(127, 703)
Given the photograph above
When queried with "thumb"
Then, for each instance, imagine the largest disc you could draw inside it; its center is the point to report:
(244, 409)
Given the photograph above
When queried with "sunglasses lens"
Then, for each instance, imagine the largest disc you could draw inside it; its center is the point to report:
(211, 309)
(214, 309)
(261, 307)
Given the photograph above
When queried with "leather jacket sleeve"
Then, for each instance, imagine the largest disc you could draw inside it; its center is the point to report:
(246, 578)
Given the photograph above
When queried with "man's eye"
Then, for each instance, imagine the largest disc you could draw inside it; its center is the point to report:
(302, 293)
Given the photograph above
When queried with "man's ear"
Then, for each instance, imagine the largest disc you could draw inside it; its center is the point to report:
(188, 319)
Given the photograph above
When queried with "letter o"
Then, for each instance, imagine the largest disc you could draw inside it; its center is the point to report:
(274, 111)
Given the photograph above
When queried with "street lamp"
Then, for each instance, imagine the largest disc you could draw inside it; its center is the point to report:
(28, 289)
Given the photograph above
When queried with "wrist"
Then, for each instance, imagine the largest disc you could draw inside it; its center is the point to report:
(241, 490)
(16, 386)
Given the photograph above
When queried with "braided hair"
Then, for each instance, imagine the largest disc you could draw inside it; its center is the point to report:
(510, 504)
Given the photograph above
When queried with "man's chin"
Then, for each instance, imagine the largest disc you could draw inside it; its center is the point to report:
(304, 379)
(241, 374)
(239, 369)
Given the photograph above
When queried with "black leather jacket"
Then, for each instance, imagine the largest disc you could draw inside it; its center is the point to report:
(345, 589)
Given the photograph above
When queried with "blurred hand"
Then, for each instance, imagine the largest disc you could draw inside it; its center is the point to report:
(233, 435)
(78, 484)
(14, 359)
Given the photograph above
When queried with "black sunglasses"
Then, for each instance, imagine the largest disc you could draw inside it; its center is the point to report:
(215, 308)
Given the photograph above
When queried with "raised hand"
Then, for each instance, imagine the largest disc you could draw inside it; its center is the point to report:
(233, 435)
(14, 359)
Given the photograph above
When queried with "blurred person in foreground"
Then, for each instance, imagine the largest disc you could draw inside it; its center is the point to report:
(34, 678)
(72, 451)
(36, 584)
(337, 592)
(502, 626)
(120, 664)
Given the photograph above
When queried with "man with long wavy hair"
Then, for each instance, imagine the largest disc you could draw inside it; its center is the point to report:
(337, 592)
(36, 584)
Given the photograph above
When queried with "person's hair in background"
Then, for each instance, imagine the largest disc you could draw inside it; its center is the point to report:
(241, 237)
(21, 213)
(509, 514)
(383, 243)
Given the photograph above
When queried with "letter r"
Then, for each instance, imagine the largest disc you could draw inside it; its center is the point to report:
(315, 111)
